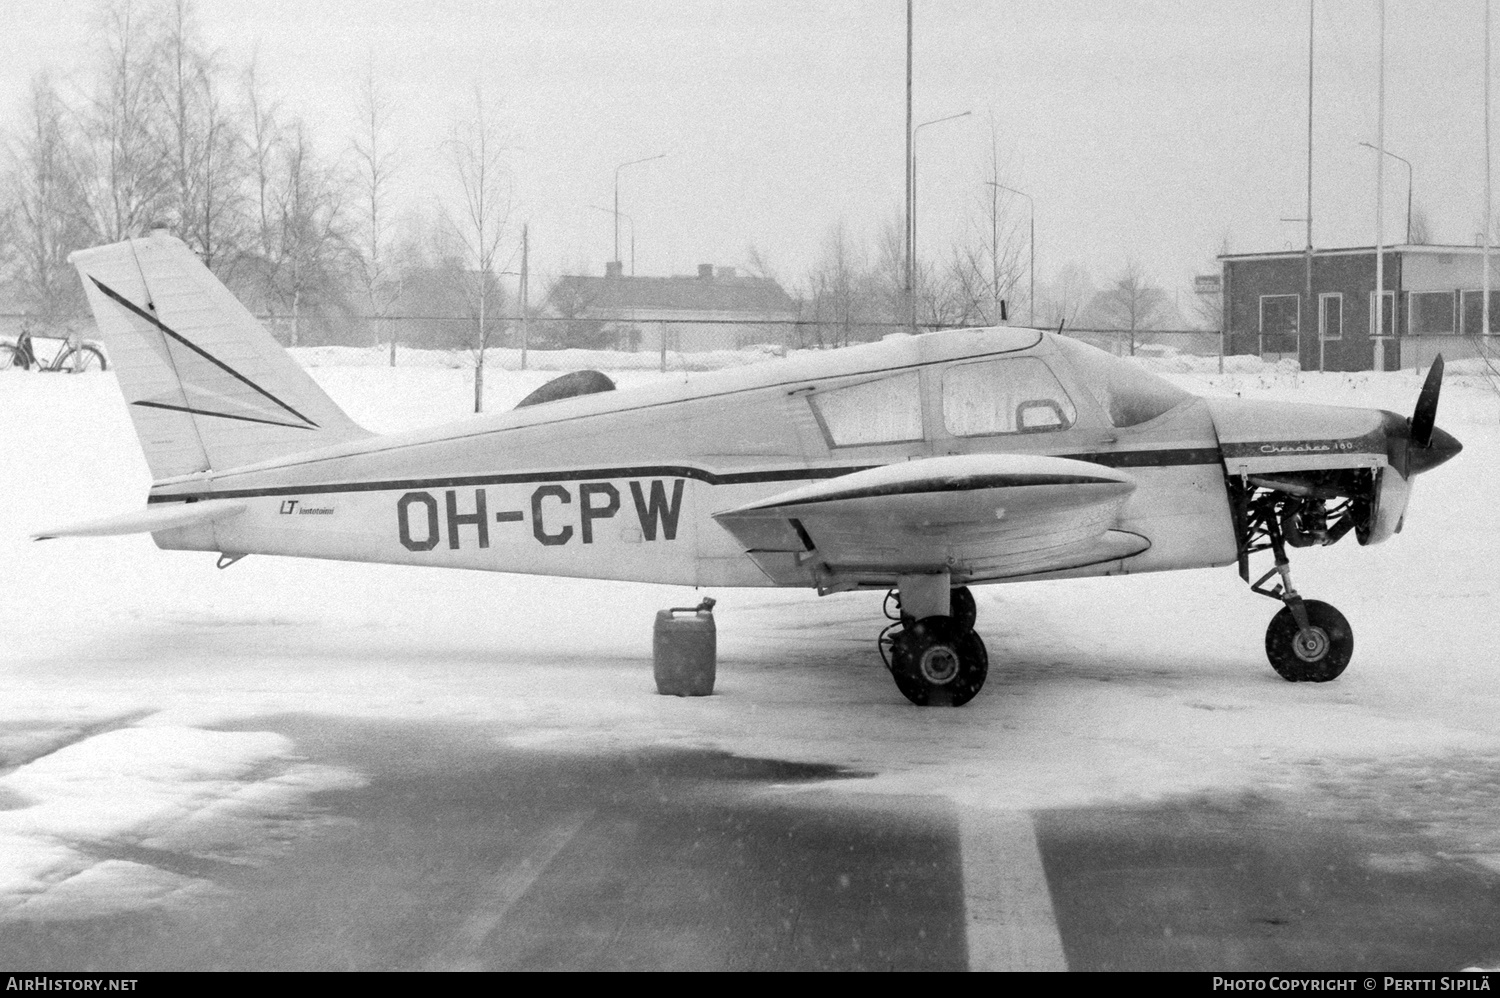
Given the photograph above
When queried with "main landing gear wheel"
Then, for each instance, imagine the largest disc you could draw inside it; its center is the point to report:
(1315, 655)
(961, 607)
(937, 661)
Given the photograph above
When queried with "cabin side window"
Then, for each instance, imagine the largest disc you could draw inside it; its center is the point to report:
(887, 411)
(1013, 395)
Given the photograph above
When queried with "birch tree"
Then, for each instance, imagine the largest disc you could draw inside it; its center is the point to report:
(477, 153)
(202, 143)
(376, 162)
(43, 194)
(127, 173)
(310, 240)
(1133, 303)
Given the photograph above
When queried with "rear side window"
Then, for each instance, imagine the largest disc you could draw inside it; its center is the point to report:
(1011, 395)
(877, 412)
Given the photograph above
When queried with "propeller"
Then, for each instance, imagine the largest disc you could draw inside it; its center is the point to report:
(1419, 445)
(1425, 416)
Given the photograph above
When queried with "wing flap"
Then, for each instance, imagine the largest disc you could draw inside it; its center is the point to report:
(979, 516)
(149, 520)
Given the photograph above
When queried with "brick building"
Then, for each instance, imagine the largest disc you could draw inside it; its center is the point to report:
(1433, 305)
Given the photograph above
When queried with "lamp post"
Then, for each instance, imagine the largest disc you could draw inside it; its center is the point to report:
(995, 248)
(618, 215)
(1408, 184)
(912, 235)
(622, 166)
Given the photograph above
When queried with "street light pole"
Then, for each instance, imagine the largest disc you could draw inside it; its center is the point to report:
(906, 236)
(1032, 202)
(912, 261)
(622, 166)
(1408, 184)
(625, 215)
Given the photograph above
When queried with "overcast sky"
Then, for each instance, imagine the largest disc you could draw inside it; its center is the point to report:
(1153, 129)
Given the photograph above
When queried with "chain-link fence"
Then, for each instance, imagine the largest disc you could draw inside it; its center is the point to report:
(663, 343)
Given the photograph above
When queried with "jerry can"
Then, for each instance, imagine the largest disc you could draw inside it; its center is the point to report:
(684, 648)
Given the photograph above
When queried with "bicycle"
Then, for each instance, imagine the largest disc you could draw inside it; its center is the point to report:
(70, 357)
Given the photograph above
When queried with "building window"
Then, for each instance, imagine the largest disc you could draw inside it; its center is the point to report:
(1018, 395)
(1388, 314)
(1331, 316)
(1280, 316)
(1429, 313)
(1473, 312)
(887, 411)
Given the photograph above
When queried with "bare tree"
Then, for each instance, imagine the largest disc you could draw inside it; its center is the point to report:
(477, 152)
(128, 173)
(1132, 303)
(262, 139)
(376, 165)
(1421, 228)
(311, 246)
(1062, 302)
(840, 290)
(985, 271)
(202, 143)
(43, 195)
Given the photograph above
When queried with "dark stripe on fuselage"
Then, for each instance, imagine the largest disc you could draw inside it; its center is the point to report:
(1156, 458)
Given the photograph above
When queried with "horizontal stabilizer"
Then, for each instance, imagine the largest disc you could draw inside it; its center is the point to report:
(149, 520)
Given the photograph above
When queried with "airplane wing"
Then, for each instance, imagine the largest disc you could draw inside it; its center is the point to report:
(149, 520)
(979, 516)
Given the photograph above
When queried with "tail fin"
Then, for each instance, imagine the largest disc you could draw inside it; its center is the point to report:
(207, 387)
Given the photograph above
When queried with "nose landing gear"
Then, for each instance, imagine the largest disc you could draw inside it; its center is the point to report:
(932, 651)
(1308, 641)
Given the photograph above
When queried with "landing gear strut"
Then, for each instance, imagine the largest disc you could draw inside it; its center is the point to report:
(932, 651)
(1308, 641)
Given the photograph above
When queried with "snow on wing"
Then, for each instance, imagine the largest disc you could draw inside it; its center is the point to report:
(980, 516)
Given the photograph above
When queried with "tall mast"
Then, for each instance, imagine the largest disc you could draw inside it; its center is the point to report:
(1312, 304)
(1377, 314)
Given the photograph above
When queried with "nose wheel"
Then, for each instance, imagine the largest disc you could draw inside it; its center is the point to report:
(1312, 654)
(1308, 641)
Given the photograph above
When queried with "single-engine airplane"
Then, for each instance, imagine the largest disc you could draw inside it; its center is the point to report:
(920, 465)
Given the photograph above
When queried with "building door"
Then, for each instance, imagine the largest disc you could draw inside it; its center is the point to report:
(1330, 323)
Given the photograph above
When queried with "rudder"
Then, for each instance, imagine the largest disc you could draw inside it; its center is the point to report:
(206, 386)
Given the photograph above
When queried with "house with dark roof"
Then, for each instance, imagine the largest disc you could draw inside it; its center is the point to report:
(716, 309)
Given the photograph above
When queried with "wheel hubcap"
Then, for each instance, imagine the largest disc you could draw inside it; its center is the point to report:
(1311, 645)
(939, 665)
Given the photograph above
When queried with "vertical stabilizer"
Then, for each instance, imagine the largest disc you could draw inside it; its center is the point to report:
(207, 387)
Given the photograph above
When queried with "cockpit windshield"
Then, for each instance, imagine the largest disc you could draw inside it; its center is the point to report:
(1128, 394)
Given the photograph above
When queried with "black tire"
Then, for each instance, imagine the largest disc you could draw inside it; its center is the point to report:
(936, 663)
(1330, 651)
(85, 358)
(11, 358)
(961, 608)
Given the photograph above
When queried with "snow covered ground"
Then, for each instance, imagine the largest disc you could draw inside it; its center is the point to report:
(134, 682)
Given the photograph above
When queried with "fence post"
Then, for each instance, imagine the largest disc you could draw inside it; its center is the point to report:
(662, 326)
